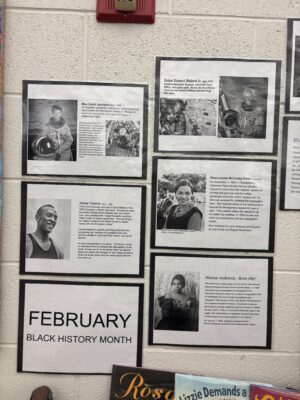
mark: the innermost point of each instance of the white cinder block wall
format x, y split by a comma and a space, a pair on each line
61, 40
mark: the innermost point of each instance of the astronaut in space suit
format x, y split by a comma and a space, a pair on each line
251, 120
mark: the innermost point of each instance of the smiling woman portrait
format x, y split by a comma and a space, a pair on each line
184, 215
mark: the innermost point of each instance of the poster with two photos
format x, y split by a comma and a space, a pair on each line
85, 129
207, 105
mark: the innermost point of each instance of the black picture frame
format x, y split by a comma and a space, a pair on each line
276, 105
22, 296
289, 65
23, 231
26, 83
271, 241
285, 134
154, 255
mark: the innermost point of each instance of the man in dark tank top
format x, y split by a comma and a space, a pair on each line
39, 244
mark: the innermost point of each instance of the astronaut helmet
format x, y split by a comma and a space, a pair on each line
249, 99
45, 146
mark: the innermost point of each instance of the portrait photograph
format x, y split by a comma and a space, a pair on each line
48, 229
181, 201
52, 130
122, 138
189, 117
242, 107
176, 306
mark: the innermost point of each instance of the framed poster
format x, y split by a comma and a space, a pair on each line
69, 229
76, 328
210, 301
290, 165
220, 204
85, 129
292, 101
216, 105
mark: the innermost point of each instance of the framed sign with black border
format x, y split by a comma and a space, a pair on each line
216, 105
292, 101
79, 327
210, 301
82, 229
290, 165
219, 204
85, 129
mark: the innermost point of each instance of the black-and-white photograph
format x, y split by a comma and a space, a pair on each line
292, 95
122, 138
188, 117
242, 107
52, 130
181, 201
176, 305
296, 88
200, 103
48, 229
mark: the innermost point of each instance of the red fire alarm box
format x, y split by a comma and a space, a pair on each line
143, 14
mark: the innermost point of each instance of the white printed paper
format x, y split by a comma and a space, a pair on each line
293, 67
210, 301
213, 204
216, 105
82, 229
84, 129
78, 327
290, 172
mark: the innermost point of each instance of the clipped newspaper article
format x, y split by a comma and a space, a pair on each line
292, 102
210, 301
220, 204
85, 129
79, 327
82, 229
290, 165
216, 105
